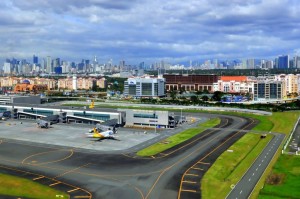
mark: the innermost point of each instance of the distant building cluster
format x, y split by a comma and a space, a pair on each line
37, 84
49, 65
261, 88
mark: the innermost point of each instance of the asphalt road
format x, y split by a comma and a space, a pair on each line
245, 186
98, 175
294, 144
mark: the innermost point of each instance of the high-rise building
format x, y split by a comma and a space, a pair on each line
48, 64
35, 60
297, 62
7, 68
250, 64
283, 62
269, 64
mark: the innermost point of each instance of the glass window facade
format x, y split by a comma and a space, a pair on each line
273, 91
132, 89
39, 112
261, 90
147, 89
95, 116
139, 115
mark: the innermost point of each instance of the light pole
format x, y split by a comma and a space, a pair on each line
181, 115
155, 120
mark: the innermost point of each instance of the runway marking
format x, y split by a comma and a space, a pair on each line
259, 165
202, 162
38, 178
241, 191
189, 190
70, 171
72, 190
256, 169
253, 174
54, 184
197, 169
45, 152
190, 182
249, 179
190, 174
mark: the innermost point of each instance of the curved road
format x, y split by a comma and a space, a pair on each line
175, 173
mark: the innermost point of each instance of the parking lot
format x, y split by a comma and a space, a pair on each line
71, 135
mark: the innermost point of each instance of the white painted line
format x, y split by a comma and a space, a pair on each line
241, 191
256, 169
259, 165
249, 179
262, 160
253, 174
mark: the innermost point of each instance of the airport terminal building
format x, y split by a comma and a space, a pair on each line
66, 115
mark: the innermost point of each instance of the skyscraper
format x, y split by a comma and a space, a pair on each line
250, 64
48, 64
35, 60
283, 62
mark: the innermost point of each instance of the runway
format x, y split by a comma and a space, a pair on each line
124, 175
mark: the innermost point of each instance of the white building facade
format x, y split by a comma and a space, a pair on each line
144, 87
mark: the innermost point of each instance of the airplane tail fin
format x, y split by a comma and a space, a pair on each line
92, 105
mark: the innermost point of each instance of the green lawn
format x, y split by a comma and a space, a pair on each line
178, 138
20, 187
230, 166
284, 182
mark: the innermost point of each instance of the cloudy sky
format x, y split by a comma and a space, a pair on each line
149, 30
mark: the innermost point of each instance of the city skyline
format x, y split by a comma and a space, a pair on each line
151, 31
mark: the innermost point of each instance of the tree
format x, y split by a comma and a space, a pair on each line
204, 98
194, 99
217, 96
173, 94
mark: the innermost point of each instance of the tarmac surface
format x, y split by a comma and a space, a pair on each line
116, 172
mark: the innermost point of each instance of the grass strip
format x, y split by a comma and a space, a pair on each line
21, 187
231, 165
284, 180
178, 138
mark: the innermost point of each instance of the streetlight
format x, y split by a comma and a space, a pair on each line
181, 115
155, 120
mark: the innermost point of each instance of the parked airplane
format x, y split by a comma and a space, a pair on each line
99, 132
109, 134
